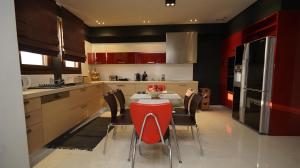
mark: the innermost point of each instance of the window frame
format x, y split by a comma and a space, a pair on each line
71, 70
27, 69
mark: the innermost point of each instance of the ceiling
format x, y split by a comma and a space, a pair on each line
97, 13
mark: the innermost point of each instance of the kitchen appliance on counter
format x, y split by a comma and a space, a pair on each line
95, 76
144, 76
26, 82
137, 77
256, 84
113, 77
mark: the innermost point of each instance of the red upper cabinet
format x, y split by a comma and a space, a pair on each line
100, 58
121, 58
96, 58
151, 58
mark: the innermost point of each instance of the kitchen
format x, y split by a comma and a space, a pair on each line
106, 49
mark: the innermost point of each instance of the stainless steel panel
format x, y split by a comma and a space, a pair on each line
267, 85
181, 47
244, 83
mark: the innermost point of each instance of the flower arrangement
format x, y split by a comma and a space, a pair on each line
155, 90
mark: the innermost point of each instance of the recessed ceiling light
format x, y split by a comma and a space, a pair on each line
193, 20
170, 3
146, 21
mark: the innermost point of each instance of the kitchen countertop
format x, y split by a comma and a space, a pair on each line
31, 93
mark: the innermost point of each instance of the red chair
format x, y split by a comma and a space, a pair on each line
151, 123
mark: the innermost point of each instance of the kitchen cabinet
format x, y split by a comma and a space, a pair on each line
96, 101
62, 111
151, 58
121, 58
34, 124
126, 58
96, 58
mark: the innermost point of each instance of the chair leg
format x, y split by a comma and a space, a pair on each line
140, 149
176, 142
131, 144
192, 130
114, 133
198, 138
170, 153
133, 152
105, 141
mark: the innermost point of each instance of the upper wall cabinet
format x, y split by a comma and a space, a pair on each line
73, 37
37, 26
126, 58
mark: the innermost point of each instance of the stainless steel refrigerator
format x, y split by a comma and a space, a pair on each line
256, 84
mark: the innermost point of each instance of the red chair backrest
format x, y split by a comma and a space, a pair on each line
163, 113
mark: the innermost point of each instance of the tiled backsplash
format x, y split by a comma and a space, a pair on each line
45, 79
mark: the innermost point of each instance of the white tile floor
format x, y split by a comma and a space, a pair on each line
226, 144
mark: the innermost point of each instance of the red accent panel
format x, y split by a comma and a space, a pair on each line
228, 50
121, 58
285, 116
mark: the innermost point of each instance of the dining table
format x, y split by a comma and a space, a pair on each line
174, 98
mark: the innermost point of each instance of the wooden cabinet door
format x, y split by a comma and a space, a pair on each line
35, 137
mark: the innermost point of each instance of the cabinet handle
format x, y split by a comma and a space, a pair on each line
121, 62
27, 116
151, 62
29, 131
120, 85
26, 102
182, 84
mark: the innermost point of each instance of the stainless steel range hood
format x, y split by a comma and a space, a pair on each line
181, 47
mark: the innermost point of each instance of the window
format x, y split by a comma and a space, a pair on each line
28, 58
71, 64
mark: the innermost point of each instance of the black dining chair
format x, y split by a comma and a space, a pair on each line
185, 110
190, 120
121, 98
116, 120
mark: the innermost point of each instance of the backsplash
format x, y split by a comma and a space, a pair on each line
154, 71
46, 79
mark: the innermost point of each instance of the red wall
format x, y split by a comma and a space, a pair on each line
228, 50
285, 114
